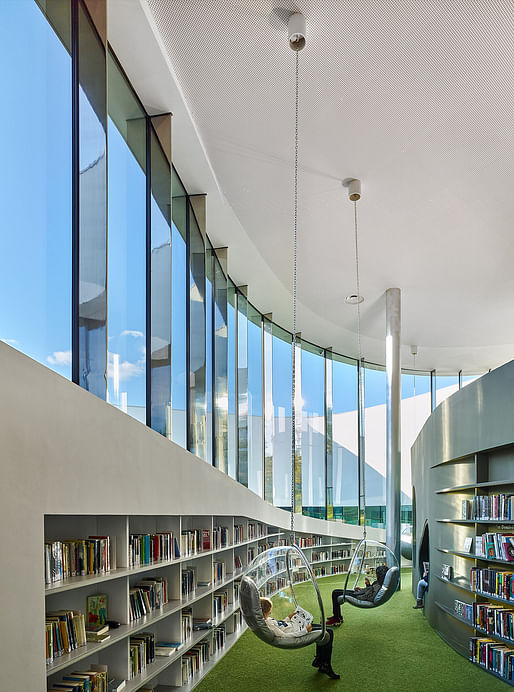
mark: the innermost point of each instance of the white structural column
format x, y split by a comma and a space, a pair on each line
393, 402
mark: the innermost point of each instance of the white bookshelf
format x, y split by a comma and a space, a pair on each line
165, 673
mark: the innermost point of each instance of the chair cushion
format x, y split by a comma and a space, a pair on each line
252, 613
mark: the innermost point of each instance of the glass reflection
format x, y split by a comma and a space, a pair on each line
92, 114
242, 388
255, 419
35, 303
178, 314
160, 273
221, 407
126, 248
345, 440
313, 431
197, 414
445, 386
375, 441
282, 417
232, 379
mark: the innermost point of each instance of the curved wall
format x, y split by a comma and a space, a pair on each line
466, 440
64, 451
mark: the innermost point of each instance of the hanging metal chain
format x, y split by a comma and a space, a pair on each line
361, 373
293, 359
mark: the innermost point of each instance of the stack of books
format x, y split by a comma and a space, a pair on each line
142, 652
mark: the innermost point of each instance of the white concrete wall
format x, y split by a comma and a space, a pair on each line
63, 451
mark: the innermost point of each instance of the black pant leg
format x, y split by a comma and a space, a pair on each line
324, 651
336, 608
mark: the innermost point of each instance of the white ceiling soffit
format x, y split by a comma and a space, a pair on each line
412, 97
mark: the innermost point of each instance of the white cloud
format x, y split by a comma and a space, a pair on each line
126, 369
132, 332
10, 341
60, 358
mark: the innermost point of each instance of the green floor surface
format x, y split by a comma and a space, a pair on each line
391, 648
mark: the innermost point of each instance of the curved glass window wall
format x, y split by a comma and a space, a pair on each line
180, 347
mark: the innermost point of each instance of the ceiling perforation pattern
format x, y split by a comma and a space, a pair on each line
415, 97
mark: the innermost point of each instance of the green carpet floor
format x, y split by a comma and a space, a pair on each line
391, 648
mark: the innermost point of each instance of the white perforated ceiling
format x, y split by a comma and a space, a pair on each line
412, 96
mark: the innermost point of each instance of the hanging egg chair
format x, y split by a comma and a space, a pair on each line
283, 575
379, 563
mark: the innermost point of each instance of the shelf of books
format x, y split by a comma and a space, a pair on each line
152, 602
475, 570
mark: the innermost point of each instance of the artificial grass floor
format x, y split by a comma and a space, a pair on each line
391, 648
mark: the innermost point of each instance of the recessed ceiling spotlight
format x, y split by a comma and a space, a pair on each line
353, 299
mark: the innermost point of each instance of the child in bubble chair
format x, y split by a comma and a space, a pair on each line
297, 624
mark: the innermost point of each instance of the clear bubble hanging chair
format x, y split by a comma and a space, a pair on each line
283, 573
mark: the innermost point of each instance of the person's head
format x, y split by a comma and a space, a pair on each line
381, 573
266, 606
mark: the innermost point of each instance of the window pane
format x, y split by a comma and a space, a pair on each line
345, 440
209, 289
415, 409
375, 444
92, 209
160, 272
197, 441
445, 385
126, 248
467, 379
242, 388
35, 190
313, 431
220, 368
282, 386
255, 420
178, 314
231, 379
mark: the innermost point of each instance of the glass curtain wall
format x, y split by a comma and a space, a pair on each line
126, 326
160, 287
255, 401
232, 378
196, 339
415, 409
178, 313
345, 440
282, 416
375, 444
91, 206
221, 402
36, 126
313, 431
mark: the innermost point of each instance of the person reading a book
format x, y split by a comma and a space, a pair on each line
367, 593
298, 624
422, 587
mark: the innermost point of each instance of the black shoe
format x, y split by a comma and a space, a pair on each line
419, 604
316, 663
327, 669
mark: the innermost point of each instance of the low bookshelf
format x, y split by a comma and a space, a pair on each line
167, 581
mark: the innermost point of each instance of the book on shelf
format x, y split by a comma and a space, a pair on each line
75, 558
468, 542
115, 685
96, 609
65, 631
493, 582
446, 572
98, 638
164, 648
145, 548
206, 539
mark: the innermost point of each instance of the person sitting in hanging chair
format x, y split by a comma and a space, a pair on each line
296, 625
368, 593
